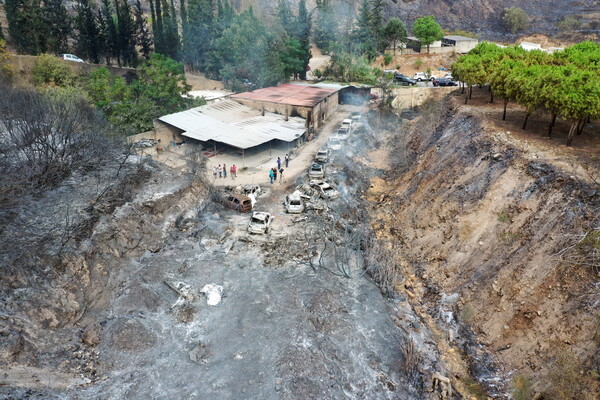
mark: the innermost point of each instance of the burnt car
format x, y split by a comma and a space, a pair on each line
323, 155
238, 202
260, 222
444, 82
294, 203
325, 190
316, 171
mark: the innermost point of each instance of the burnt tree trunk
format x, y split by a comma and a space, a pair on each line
491, 95
551, 125
580, 126
504, 113
525, 122
572, 132
470, 91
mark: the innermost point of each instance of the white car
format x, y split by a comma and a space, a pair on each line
356, 117
323, 155
334, 143
71, 57
260, 222
316, 171
348, 124
421, 76
325, 190
342, 134
293, 203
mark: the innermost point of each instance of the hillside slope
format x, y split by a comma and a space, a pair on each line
493, 238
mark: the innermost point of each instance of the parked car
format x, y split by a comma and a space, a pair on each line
404, 80
334, 143
238, 202
422, 76
444, 82
348, 123
356, 117
316, 171
323, 155
325, 190
260, 222
449, 76
342, 134
294, 203
71, 57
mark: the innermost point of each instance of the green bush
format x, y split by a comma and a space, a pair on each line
387, 59
52, 71
515, 19
569, 23
418, 64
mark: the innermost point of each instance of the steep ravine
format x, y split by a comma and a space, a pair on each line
480, 226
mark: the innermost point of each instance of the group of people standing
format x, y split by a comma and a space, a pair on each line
273, 172
221, 171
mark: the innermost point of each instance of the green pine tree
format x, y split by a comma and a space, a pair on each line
26, 26
58, 24
143, 35
87, 32
303, 24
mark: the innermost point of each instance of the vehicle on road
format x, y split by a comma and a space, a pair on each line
444, 82
323, 155
342, 134
356, 116
260, 222
324, 189
348, 123
316, 171
238, 202
422, 76
334, 143
404, 80
294, 203
71, 57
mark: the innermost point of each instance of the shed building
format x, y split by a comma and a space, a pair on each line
414, 43
461, 44
314, 103
229, 124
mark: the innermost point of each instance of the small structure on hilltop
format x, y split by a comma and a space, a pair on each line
461, 44
448, 44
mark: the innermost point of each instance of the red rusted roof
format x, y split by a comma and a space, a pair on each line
294, 95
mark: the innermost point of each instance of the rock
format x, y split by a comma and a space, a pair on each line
91, 335
199, 354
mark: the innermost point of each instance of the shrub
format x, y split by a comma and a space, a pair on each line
387, 59
52, 71
418, 64
515, 19
569, 23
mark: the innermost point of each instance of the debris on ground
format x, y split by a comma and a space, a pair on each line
213, 293
182, 289
199, 354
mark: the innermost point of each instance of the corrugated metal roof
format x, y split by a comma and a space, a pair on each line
235, 124
294, 95
458, 38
